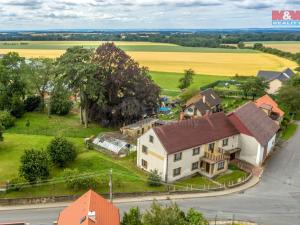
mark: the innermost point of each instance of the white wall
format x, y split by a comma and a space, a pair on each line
250, 149
185, 163
271, 144
274, 86
156, 157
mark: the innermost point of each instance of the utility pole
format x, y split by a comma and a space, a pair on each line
110, 186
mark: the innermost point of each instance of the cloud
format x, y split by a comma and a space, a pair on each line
249, 4
33, 4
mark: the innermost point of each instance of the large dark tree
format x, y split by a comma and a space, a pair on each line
129, 91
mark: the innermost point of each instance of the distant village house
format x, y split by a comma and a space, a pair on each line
202, 103
275, 79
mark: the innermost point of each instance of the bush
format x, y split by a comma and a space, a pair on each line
6, 119
154, 179
61, 151
35, 165
60, 103
77, 181
17, 107
32, 103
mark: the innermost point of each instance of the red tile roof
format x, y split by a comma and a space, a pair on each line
251, 120
190, 133
77, 213
267, 100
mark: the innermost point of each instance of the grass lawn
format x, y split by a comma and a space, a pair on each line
196, 181
289, 131
230, 104
169, 81
233, 174
41, 124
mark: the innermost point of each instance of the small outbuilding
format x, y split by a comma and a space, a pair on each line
137, 129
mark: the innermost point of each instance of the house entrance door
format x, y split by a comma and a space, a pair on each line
207, 168
232, 156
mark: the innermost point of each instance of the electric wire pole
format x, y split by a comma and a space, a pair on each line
110, 186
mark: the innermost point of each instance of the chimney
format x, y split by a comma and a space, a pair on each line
92, 215
203, 98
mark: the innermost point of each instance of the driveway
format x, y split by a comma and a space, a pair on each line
274, 201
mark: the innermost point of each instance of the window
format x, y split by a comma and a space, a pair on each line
221, 165
144, 149
211, 146
177, 156
190, 110
176, 171
151, 138
225, 142
195, 165
196, 151
144, 164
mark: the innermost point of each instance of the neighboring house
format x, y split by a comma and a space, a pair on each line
275, 79
205, 145
200, 104
137, 129
257, 133
270, 107
90, 209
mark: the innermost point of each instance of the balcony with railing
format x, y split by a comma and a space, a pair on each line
213, 157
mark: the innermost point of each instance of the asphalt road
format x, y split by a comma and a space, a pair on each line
274, 201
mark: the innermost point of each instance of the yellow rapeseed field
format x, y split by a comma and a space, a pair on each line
227, 64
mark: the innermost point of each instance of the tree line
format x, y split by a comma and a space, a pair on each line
211, 39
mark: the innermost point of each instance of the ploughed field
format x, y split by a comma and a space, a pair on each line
164, 57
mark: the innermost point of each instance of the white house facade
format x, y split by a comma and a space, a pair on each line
205, 145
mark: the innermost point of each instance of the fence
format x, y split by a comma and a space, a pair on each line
170, 189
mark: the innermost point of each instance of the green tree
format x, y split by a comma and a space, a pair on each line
258, 46
168, 215
40, 77
12, 84
60, 102
6, 119
154, 179
254, 87
76, 69
133, 217
187, 79
194, 217
35, 165
78, 181
289, 96
61, 151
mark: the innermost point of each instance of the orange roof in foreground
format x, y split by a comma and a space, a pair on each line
266, 99
77, 213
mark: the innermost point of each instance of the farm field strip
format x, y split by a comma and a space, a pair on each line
171, 58
287, 46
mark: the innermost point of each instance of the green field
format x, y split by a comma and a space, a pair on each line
126, 176
132, 46
169, 81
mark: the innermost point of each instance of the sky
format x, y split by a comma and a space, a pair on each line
139, 14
